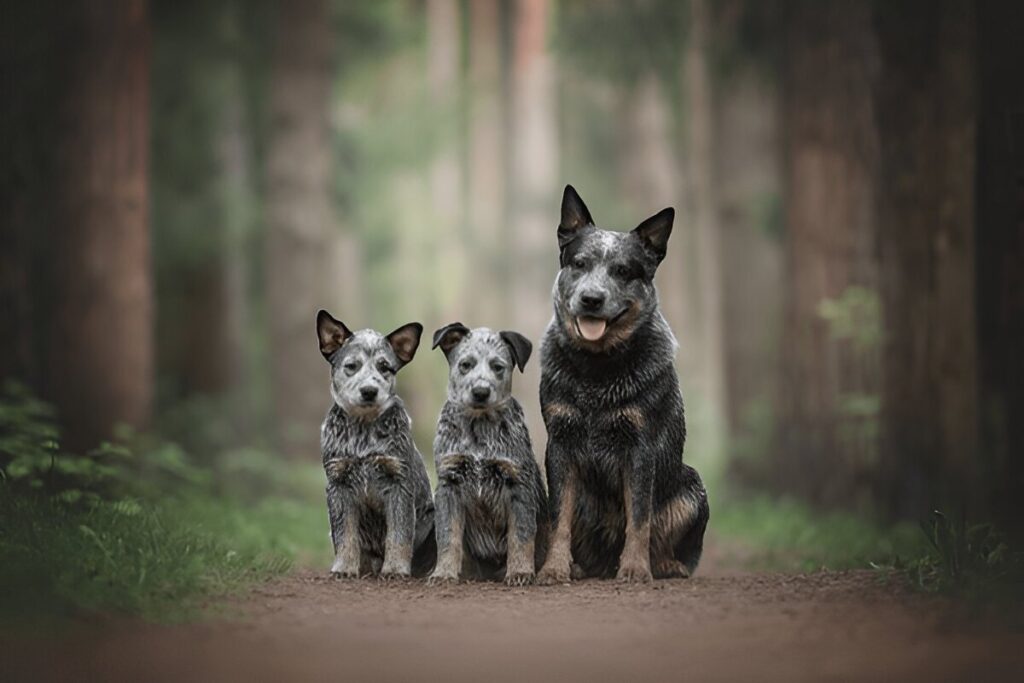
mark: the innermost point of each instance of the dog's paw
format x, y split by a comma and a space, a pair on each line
444, 579
344, 572
519, 578
394, 575
552, 576
630, 573
671, 569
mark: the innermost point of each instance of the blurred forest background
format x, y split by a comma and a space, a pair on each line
185, 183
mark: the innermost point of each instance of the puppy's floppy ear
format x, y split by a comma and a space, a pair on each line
332, 333
449, 336
520, 345
575, 216
405, 340
654, 232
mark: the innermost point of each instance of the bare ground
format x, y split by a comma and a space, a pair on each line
721, 625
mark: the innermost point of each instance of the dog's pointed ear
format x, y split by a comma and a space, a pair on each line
520, 345
449, 336
575, 216
654, 232
405, 340
331, 333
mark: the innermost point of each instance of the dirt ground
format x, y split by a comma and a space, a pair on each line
722, 625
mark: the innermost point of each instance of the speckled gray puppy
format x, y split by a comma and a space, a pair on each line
491, 520
378, 493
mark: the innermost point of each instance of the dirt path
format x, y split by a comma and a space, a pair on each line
721, 625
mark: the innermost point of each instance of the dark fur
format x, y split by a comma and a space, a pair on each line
614, 413
491, 517
378, 493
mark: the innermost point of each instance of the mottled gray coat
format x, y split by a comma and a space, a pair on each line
491, 520
378, 494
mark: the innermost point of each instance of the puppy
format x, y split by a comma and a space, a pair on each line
622, 502
491, 515
378, 493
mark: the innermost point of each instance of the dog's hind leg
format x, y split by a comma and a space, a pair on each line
689, 548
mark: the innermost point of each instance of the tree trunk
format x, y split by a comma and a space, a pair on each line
701, 137
443, 60
534, 186
486, 180
300, 218
1000, 254
926, 114
101, 352
826, 446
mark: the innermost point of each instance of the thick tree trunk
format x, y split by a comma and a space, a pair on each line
701, 137
300, 220
101, 351
534, 186
926, 114
826, 448
485, 201
1000, 254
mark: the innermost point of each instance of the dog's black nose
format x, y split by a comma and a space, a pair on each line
592, 301
368, 393
481, 394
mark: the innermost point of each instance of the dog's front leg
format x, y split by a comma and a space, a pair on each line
522, 533
638, 493
449, 522
344, 518
400, 514
562, 504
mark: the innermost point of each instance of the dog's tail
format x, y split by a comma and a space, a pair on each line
691, 545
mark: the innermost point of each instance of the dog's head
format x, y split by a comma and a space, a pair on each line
364, 363
480, 364
605, 288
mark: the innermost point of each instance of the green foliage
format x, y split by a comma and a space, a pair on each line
968, 559
786, 534
856, 315
137, 557
136, 526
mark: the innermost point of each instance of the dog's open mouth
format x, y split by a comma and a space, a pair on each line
591, 329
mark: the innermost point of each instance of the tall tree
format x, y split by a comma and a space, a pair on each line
101, 352
534, 181
701, 139
926, 123
299, 215
485, 201
829, 369
1000, 253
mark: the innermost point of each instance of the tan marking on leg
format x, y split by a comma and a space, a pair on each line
397, 560
635, 561
634, 416
348, 556
560, 410
449, 561
670, 523
519, 567
557, 567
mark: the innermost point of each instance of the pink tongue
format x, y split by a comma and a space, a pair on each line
592, 329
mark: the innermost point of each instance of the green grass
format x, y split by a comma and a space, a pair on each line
787, 534
158, 561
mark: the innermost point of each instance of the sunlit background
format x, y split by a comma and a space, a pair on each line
185, 184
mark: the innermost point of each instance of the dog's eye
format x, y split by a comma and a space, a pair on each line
465, 366
351, 367
498, 368
621, 271
384, 368
579, 262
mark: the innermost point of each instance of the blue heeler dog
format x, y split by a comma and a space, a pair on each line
378, 493
621, 500
491, 507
